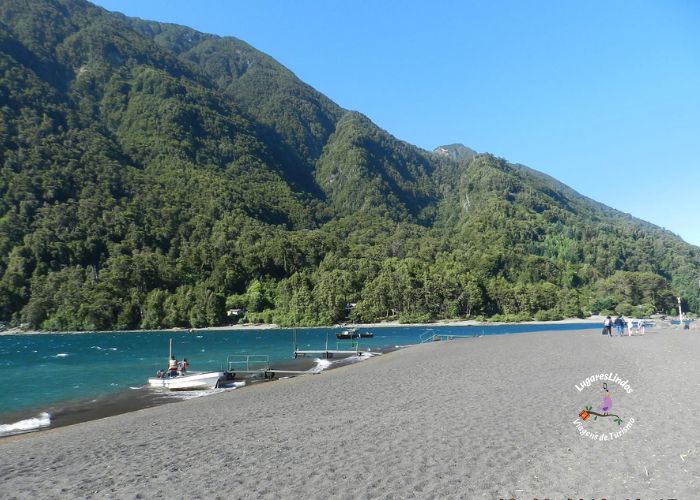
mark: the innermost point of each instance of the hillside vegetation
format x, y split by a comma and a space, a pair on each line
154, 176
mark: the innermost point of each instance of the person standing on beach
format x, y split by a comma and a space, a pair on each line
619, 325
607, 324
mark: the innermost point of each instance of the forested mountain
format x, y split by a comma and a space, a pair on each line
154, 176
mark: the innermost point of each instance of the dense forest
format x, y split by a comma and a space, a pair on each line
154, 176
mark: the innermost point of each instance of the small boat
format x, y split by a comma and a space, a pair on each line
350, 333
187, 382
184, 380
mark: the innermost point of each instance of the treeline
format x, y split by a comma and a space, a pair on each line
308, 278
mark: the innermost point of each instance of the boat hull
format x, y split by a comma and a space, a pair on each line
190, 382
350, 333
354, 335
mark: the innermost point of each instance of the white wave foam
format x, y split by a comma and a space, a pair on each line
228, 385
61, 355
205, 392
96, 347
356, 359
30, 424
321, 364
193, 394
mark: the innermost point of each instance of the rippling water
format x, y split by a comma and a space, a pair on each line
38, 371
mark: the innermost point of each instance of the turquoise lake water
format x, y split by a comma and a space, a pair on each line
39, 371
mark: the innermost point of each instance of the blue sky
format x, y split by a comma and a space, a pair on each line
602, 95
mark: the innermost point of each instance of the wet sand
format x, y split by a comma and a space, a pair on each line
489, 417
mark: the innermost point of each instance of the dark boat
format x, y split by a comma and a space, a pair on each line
350, 333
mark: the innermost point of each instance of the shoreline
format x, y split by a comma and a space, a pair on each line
83, 407
272, 326
79, 411
493, 417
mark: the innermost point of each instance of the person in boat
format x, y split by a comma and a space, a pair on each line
172, 367
185, 366
160, 373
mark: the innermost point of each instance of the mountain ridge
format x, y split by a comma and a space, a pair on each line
154, 176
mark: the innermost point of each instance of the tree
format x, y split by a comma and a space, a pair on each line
153, 314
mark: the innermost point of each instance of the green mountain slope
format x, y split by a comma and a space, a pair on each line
154, 176
293, 118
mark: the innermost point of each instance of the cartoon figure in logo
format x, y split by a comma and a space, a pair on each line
604, 408
606, 405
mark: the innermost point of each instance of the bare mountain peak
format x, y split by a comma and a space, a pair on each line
458, 152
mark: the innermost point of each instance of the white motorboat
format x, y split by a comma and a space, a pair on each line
176, 380
187, 382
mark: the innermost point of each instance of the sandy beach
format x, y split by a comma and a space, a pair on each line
490, 417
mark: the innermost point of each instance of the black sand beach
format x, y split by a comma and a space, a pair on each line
491, 417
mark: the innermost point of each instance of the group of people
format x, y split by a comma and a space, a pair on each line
619, 323
175, 368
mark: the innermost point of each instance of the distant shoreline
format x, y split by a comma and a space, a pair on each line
593, 320
272, 326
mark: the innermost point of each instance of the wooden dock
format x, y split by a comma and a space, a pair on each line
254, 364
270, 373
330, 353
430, 336
326, 353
